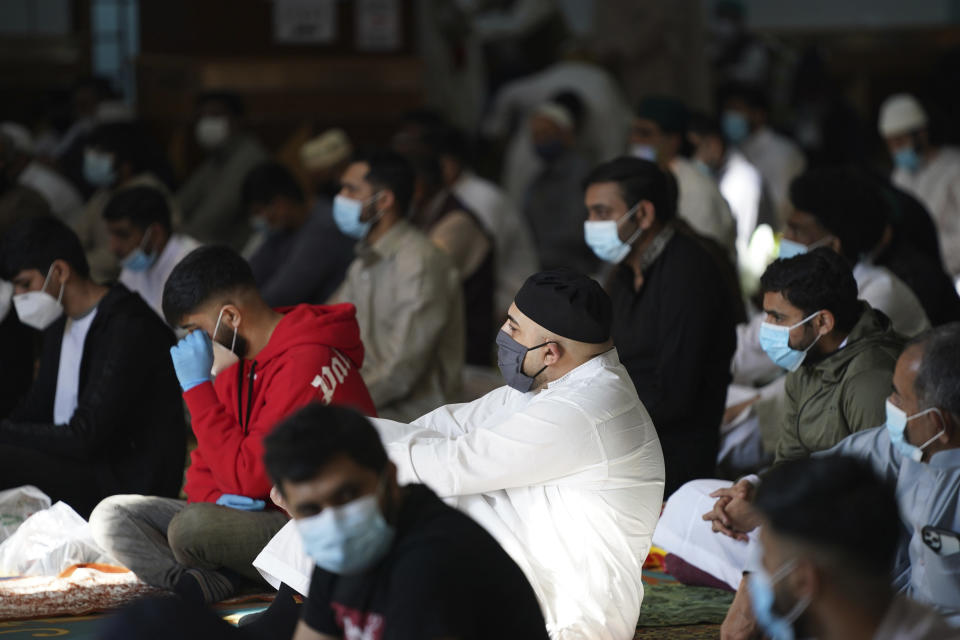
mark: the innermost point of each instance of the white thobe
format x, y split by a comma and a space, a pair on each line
514, 254
700, 203
885, 291
937, 186
64, 200
569, 480
149, 283
779, 161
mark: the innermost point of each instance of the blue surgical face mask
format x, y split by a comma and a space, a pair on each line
775, 341
138, 259
735, 126
907, 158
348, 539
510, 356
347, 213
897, 420
98, 168
644, 152
790, 249
603, 237
762, 599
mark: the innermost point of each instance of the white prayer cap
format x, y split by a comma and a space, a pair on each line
556, 113
20, 136
326, 150
901, 113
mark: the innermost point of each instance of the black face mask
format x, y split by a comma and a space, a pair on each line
510, 356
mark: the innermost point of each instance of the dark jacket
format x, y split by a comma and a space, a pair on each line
129, 419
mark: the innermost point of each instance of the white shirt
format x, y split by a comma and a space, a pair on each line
702, 206
742, 187
64, 200
569, 480
149, 283
68, 375
514, 253
937, 186
779, 161
888, 293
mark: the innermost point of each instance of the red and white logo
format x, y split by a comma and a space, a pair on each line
358, 625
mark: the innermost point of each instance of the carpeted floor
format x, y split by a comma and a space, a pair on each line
670, 610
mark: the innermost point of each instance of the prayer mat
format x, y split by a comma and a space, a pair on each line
668, 603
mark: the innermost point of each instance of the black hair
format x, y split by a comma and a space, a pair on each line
938, 376
389, 170
230, 100
142, 206
752, 95
270, 180
35, 243
204, 273
813, 281
638, 180
572, 102
131, 143
846, 203
299, 447
839, 506
704, 125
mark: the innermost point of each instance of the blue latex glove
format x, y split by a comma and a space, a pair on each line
192, 359
240, 502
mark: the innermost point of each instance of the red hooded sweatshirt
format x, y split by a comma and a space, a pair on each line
314, 354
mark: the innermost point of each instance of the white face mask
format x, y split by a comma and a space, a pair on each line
39, 309
223, 358
212, 131
6, 299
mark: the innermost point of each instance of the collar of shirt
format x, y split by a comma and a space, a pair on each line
385, 246
946, 459
608, 358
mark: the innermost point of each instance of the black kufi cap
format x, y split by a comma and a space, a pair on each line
568, 304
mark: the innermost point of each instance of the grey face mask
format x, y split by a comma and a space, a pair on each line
510, 355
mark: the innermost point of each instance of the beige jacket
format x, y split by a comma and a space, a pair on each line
410, 310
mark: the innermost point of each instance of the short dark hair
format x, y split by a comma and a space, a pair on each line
230, 100
938, 376
389, 170
846, 203
35, 244
638, 180
839, 506
142, 206
267, 181
819, 279
204, 273
299, 447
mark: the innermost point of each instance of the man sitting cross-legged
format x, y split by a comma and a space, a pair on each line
243, 367
562, 466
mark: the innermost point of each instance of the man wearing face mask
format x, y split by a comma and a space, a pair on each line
141, 237
117, 156
302, 256
211, 196
551, 205
658, 135
673, 319
562, 465
826, 552
103, 415
408, 295
385, 560
925, 170
243, 367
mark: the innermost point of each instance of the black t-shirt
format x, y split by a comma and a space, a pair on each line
444, 577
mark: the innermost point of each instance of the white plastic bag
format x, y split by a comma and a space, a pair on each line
18, 504
48, 542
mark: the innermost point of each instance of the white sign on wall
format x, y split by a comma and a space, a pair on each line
304, 21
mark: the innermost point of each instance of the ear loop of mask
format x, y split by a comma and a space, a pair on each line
233, 344
803, 322
47, 280
632, 212
943, 430
376, 218
797, 610
539, 346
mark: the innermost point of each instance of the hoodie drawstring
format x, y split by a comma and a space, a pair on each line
245, 423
